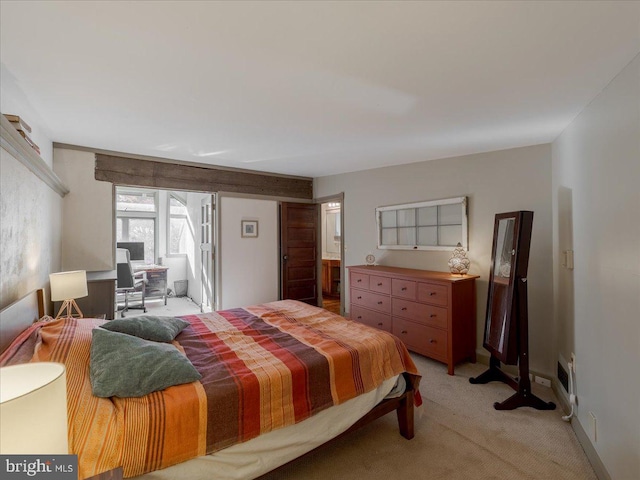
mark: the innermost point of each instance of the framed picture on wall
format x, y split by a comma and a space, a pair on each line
249, 228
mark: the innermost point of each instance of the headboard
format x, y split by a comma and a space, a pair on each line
19, 315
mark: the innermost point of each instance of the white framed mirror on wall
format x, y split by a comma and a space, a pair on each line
428, 225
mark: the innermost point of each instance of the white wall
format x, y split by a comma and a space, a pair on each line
596, 200
30, 211
14, 101
248, 266
87, 236
31, 220
495, 182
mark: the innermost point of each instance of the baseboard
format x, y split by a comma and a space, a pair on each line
589, 450
581, 435
561, 396
584, 440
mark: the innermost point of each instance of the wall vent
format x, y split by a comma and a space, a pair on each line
563, 376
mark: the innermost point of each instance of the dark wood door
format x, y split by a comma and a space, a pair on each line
299, 251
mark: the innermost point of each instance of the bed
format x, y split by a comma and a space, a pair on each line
276, 381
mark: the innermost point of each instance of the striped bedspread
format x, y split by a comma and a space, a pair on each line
263, 367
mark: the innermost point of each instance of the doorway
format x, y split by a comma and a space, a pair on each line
312, 252
331, 222
177, 232
299, 252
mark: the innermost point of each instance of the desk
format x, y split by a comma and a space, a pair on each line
101, 298
156, 286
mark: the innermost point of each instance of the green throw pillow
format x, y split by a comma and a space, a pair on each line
156, 329
127, 366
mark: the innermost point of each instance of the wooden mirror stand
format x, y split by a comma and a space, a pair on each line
506, 333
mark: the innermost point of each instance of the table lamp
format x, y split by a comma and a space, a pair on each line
33, 409
66, 287
459, 261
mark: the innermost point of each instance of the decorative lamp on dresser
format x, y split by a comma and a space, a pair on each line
433, 313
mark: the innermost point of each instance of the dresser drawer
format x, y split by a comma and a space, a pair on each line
380, 284
378, 320
433, 293
156, 283
419, 312
420, 338
403, 288
420, 305
374, 301
359, 280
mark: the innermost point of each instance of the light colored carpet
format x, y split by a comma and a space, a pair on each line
459, 435
175, 306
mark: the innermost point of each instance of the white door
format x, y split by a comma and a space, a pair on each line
207, 253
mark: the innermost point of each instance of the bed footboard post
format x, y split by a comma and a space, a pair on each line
405, 415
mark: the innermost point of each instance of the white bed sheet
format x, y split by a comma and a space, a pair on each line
248, 460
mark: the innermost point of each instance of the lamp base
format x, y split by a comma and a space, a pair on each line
67, 310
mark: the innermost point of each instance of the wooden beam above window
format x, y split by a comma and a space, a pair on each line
205, 178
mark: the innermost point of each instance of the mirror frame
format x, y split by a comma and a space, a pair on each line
503, 308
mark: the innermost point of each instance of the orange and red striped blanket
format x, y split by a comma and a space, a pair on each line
263, 367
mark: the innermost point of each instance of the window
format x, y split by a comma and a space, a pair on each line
433, 225
136, 214
178, 226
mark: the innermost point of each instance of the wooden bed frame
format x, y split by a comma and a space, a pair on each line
22, 313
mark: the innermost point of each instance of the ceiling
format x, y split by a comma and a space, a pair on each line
312, 88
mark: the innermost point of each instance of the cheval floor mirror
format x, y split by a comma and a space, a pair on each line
506, 334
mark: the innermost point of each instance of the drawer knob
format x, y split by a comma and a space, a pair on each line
431, 340
404, 289
433, 315
359, 317
359, 280
403, 331
380, 302
380, 284
432, 293
359, 297
403, 308
380, 324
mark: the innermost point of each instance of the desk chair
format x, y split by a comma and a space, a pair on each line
129, 282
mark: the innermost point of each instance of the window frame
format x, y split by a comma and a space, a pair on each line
464, 236
127, 215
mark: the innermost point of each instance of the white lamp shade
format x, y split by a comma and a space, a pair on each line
33, 409
68, 285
